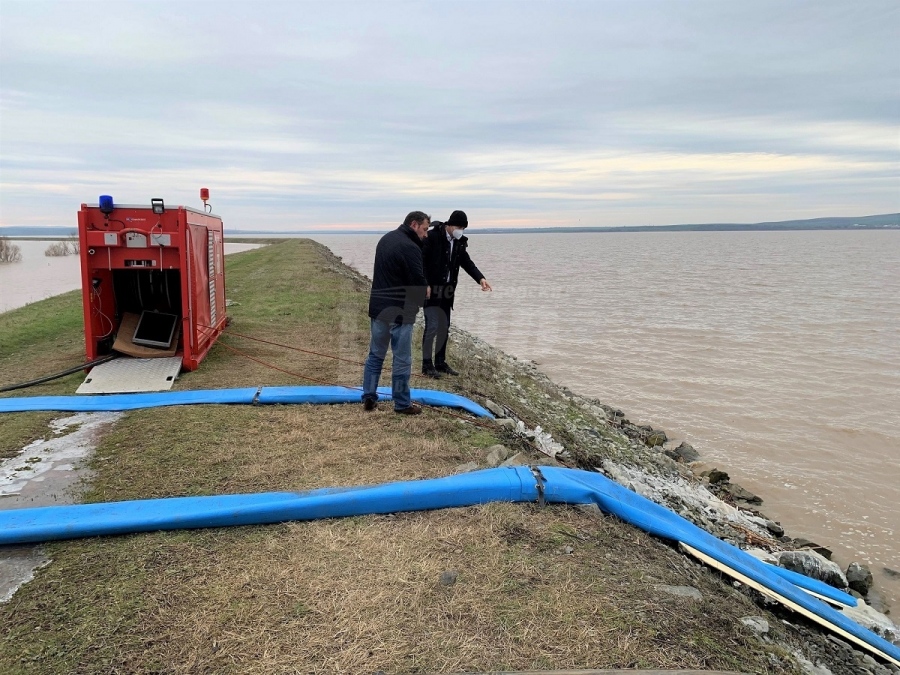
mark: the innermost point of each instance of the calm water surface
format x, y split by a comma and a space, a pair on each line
776, 354
37, 277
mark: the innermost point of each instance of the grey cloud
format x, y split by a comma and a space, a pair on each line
352, 89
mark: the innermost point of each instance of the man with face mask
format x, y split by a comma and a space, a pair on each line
445, 252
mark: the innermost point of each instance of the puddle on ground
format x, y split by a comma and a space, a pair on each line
45, 473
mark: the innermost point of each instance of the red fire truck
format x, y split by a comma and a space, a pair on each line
161, 264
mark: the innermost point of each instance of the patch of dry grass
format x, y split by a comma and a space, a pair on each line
156, 452
549, 587
363, 594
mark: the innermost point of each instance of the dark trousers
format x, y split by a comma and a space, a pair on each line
437, 328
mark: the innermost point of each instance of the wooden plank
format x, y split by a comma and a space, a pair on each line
790, 604
606, 672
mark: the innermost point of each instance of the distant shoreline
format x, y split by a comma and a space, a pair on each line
589, 230
888, 221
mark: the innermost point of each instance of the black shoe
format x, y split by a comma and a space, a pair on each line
413, 409
444, 368
430, 371
369, 404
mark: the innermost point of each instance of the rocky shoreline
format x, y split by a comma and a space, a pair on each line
541, 415
583, 432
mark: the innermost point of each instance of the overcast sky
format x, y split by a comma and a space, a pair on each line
300, 115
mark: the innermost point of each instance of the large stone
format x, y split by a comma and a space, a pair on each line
810, 668
495, 409
756, 623
859, 578
875, 621
742, 494
774, 528
496, 454
684, 453
813, 565
716, 476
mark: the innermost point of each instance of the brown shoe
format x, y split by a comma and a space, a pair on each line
369, 404
411, 410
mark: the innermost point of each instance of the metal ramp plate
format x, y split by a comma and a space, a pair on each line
126, 376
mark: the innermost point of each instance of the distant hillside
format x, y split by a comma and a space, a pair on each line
878, 222
887, 220
883, 221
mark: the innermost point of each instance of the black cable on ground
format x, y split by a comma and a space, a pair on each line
56, 376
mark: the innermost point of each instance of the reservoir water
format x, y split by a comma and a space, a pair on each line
37, 276
775, 354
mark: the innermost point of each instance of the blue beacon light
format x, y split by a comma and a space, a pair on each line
106, 204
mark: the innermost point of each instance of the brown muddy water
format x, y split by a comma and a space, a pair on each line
37, 277
775, 354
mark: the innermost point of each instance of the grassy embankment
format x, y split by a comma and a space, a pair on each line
550, 587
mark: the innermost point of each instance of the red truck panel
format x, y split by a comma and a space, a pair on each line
132, 257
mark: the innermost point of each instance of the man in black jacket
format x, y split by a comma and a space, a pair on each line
445, 253
398, 290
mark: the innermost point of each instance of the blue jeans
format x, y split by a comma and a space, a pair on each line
400, 339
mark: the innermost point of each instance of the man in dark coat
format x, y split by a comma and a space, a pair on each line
445, 252
398, 290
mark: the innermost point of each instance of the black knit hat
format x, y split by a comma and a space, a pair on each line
458, 219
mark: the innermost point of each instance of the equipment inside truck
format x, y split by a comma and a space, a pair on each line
153, 280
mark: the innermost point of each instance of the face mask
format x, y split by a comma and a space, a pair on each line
457, 234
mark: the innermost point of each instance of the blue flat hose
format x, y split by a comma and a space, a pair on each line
292, 395
119, 402
662, 522
88, 520
353, 395
514, 484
